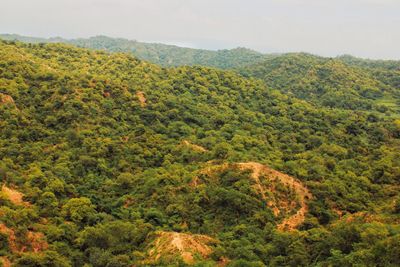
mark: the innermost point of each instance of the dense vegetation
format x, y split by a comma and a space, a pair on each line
96, 142
165, 55
371, 64
341, 83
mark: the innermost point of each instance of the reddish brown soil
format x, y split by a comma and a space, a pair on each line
4, 99
128, 202
277, 202
14, 196
338, 212
35, 241
260, 170
142, 98
6, 262
11, 237
223, 262
170, 245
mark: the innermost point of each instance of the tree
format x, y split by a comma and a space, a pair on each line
222, 150
48, 204
78, 210
125, 180
46, 259
397, 205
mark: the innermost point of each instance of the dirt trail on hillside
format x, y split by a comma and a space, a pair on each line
142, 98
259, 170
170, 245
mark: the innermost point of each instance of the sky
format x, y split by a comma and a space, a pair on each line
363, 28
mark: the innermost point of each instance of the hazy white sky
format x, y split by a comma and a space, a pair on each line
365, 28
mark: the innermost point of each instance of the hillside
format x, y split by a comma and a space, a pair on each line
336, 83
165, 55
114, 161
370, 63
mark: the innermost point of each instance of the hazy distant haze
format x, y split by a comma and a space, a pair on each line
365, 28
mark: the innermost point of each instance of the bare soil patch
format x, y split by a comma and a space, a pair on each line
14, 196
303, 194
33, 241
4, 99
171, 245
142, 98
6, 262
11, 237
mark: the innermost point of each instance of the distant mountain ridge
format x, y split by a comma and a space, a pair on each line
342, 82
162, 54
172, 55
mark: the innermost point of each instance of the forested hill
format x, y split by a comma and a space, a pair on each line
342, 83
369, 63
165, 55
107, 160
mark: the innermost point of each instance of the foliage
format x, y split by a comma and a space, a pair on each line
165, 55
335, 83
103, 172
